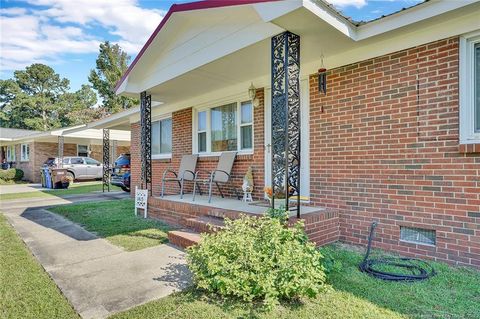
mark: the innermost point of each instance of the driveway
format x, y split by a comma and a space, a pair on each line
98, 278
20, 188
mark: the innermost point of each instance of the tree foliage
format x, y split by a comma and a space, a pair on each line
37, 98
111, 64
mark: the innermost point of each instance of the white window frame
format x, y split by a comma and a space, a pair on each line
24, 158
157, 119
467, 89
195, 132
88, 150
11, 153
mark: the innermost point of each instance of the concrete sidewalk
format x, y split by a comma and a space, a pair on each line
98, 278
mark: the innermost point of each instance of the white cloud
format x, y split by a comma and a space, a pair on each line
122, 18
51, 28
347, 3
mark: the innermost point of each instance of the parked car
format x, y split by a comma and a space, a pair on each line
78, 167
121, 172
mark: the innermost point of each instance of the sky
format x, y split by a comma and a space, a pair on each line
65, 34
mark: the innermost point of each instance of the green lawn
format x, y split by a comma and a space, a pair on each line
116, 222
453, 293
26, 290
75, 189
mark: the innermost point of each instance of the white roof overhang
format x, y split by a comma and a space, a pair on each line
200, 54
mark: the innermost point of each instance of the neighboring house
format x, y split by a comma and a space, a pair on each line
28, 150
395, 138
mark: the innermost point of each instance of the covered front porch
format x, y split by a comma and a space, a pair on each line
199, 216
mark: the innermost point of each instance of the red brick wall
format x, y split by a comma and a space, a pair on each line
385, 146
182, 144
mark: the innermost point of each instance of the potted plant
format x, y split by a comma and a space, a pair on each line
66, 180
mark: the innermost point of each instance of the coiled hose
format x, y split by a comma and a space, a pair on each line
413, 269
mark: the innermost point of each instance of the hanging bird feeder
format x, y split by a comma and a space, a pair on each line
322, 78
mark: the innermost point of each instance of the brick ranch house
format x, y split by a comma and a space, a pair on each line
394, 137
28, 150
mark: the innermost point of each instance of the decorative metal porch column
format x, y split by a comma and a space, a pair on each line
286, 118
61, 141
146, 139
113, 151
106, 160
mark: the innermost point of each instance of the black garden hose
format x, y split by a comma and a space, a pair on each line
415, 269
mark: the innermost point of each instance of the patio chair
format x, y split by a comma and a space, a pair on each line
186, 172
221, 174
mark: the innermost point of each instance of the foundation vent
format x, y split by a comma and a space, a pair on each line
417, 235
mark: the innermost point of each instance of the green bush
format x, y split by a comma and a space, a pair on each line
258, 259
11, 174
278, 213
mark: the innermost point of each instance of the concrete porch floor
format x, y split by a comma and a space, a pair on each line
233, 204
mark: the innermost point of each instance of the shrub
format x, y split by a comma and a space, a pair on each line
279, 213
11, 174
258, 259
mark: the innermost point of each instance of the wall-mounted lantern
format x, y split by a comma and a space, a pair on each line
252, 94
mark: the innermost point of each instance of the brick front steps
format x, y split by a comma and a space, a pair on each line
322, 226
183, 239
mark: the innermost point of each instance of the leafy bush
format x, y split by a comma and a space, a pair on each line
278, 213
258, 259
11, 174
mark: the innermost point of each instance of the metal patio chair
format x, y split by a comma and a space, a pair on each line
186, 172
221, 174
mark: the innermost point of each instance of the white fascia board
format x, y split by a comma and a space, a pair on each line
269, 11
115, 119
421, 12
335, 20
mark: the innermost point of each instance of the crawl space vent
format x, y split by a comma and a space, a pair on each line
417, 235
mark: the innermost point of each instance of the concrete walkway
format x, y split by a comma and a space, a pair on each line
98, 278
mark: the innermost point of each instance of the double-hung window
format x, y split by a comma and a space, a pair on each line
162, 138
470, 89
82, 150
24, 152
11, 153
223, 128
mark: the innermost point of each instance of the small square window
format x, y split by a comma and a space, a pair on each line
82, 150
418, 235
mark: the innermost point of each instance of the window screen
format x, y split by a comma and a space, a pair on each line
417, 235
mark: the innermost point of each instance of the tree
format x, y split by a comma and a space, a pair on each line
80, 107
37, 98
111, 64
30, 99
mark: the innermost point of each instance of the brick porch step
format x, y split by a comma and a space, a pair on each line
221, 213
183, 239
205, 224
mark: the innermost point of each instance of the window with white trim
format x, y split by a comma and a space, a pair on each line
470, 89
11, 153
162, 138
25, 152
82, 150
227, 127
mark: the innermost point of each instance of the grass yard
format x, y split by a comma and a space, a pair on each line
453, 293
75, 189
116, 222
26, 290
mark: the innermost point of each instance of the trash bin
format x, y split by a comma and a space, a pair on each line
57, 175
46, 177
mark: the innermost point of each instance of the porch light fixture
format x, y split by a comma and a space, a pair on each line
322, 79
252, 94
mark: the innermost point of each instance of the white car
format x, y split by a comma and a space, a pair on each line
79, 167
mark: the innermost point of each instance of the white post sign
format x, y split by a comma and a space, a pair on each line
141, 200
